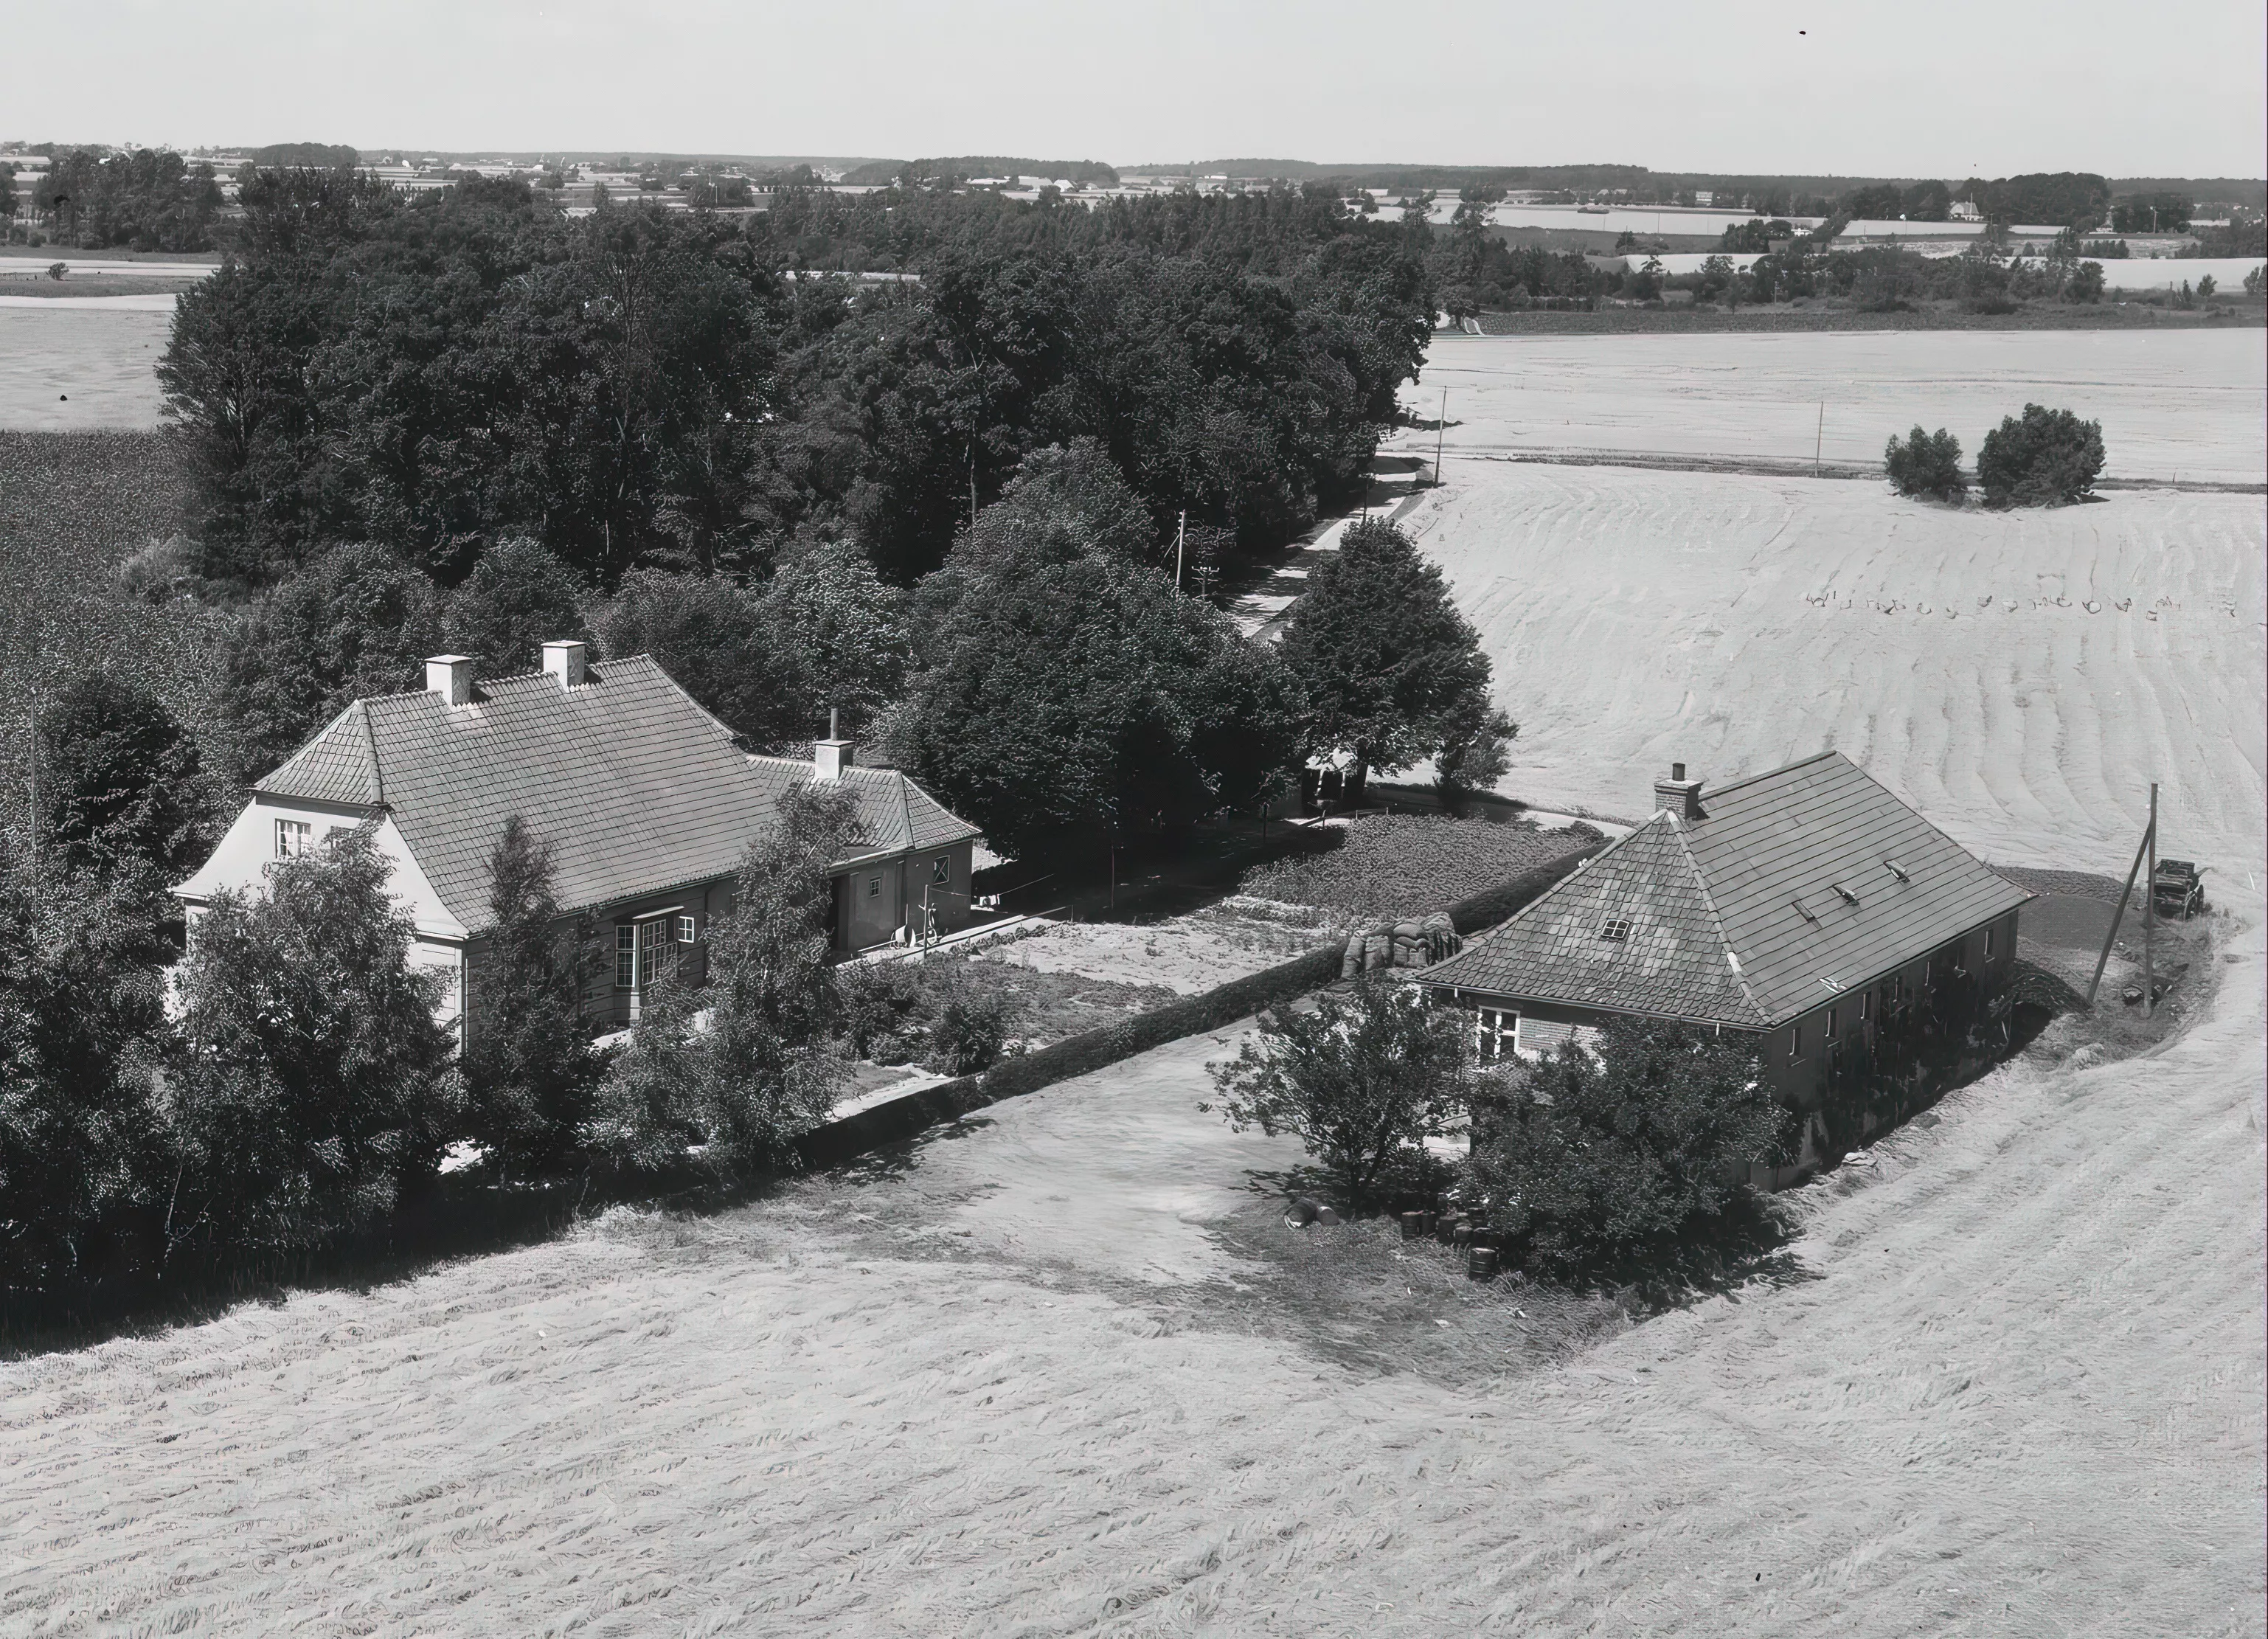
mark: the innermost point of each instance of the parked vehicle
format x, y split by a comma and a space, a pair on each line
2178, 888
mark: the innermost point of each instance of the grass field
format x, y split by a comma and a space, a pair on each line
2186, 403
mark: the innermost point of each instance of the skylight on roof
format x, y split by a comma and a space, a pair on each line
1617, 930
1803, 911
1897, 870
1844, 894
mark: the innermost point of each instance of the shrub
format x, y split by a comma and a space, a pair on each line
1361, 1080
1926, 463
2049, 456
1595, 1156
969, 1027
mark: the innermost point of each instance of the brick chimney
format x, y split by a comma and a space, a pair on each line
1678, 794
565, 661
450, 676
831, 755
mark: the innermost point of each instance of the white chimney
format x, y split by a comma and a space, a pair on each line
565, 661
1678, 794
831, 755
450, 676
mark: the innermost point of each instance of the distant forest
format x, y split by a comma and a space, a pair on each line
881, 172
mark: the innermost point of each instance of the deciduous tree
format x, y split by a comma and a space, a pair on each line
1362, 1080
2049, 456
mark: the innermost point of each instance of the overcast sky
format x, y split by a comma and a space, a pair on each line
1914, 88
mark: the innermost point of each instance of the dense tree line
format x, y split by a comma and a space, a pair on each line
635, 388
144, 199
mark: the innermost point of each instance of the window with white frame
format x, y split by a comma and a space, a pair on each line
873, 888
1495, 1032
657, 951
941, 872
293, 837
689, 930
1988, 944
1794, 1043
626, 955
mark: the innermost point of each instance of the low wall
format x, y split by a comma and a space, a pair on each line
901, 1118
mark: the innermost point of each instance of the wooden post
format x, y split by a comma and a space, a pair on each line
1440, 432
2117, 917
2150, 913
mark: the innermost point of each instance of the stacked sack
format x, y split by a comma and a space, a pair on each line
1401, 945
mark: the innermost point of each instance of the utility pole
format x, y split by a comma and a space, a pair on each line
1440, 431
1818, 437
1181, 540
2150, 915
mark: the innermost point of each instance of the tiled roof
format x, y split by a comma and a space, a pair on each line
636, 788
898, 814
1781, 894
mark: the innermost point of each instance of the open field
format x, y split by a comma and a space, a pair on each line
76, 363
2020, 676
2180, 402
1000, 1383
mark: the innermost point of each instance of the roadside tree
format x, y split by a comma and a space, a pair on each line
1362, 1079
1389, 668
1594, 1156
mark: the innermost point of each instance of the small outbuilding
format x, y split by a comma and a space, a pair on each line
1809, 908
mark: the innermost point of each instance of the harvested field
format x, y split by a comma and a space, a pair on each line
2019, 676
2177, 401
1403, 865
994, 1384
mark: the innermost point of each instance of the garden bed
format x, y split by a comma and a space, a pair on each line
1401, 865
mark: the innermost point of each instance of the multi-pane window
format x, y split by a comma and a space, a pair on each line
941, 872
1617, 930
293, 837
873, 888
1495, 1031
657, 952
625, 956
687, 930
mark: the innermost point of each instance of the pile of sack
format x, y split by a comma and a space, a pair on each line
1402, 945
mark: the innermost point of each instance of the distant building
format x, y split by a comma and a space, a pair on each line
1963, 210
646, 803
1704, 196
1808, 909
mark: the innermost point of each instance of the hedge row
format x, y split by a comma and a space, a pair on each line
1094, 1049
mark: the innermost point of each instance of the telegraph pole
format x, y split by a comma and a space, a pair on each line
1818, 437
1440, 432
1181, 540
2150, 913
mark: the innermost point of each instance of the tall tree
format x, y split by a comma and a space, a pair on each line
120, 785
530, 1072
358, 623
712, 635
313, 1084
1388, 667
768, 1063
82, 1029
519, 597
1087, 696
845, 628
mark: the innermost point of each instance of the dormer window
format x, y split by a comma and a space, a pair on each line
1617, 931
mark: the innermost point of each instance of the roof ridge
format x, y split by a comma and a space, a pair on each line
1708, 792
1716, 922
